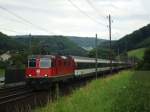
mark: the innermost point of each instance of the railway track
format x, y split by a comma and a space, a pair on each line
8, 95
5, 90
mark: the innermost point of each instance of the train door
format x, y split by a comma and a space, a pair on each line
59, 66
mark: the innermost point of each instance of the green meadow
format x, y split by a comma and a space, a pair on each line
138, 53
127, 91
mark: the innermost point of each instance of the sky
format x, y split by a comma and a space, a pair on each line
82, 18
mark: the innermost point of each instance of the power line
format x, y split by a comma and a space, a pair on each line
10, 30
25, 20
84, 13
14, 19
3, 24
92, 6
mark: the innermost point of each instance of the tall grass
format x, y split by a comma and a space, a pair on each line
136, 96
99, 96
128, 91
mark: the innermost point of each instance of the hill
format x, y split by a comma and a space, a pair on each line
138, 53
87, 43
102, 53
144, 43
40, 44
9, 44
138, 39
106, 44
50, 45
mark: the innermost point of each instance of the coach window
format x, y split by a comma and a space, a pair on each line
99, 64
45, 63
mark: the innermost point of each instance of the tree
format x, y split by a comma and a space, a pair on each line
145, 64
102, 53
18, 60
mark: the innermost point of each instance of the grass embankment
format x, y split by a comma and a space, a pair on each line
139, 53
2, 72
126, 92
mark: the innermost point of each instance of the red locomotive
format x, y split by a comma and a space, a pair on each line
48, 66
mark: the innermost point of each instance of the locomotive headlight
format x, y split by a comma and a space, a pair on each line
45, 75
38, 71
30, 75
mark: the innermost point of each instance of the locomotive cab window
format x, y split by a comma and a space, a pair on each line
32, 63
45, 63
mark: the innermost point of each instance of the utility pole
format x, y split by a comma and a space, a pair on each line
30, 50
110, 55
126, 54
96, 56
118, 51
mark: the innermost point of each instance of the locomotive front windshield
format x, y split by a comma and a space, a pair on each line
32, 63
45, 62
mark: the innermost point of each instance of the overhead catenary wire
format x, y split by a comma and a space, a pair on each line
25, 20
84, 13
91, 4
14, 19
94, 8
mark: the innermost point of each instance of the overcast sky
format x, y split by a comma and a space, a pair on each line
76, 18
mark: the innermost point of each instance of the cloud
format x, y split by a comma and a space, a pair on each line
60, 17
